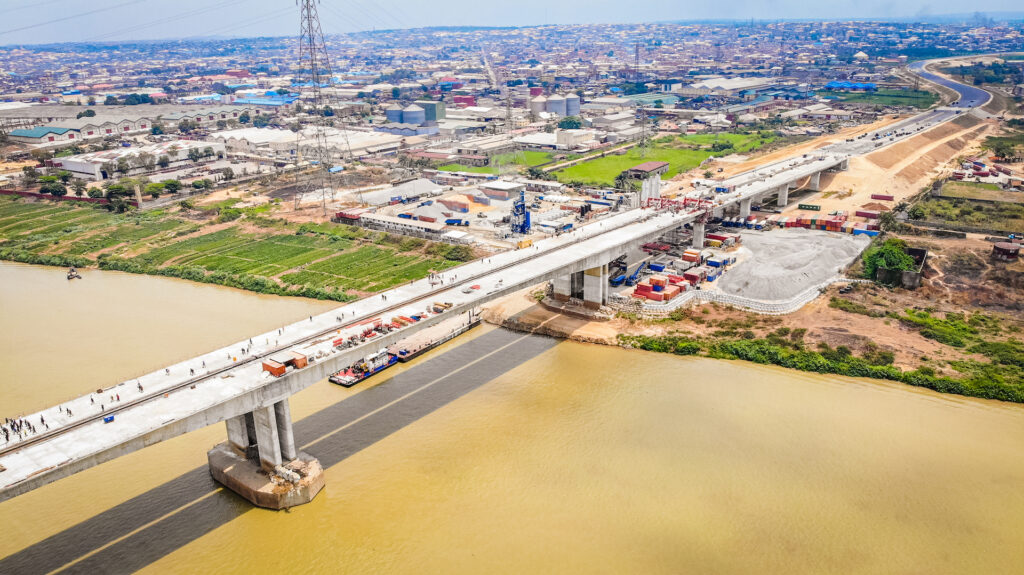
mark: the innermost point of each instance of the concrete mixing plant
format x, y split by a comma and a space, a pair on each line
520, 217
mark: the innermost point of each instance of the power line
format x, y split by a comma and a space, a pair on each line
72, 17
166, 20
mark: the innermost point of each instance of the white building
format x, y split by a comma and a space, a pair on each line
104, 164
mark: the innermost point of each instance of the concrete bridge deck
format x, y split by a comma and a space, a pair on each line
227, 383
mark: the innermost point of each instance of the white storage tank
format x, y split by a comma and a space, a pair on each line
556, 105
538, 104
414, 115
572, 105
393, 113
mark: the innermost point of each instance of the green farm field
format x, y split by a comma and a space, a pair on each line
325, 261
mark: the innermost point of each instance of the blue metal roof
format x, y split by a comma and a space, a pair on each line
38, 132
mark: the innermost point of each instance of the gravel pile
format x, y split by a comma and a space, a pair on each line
778, 265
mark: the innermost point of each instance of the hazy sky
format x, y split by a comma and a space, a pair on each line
42, 21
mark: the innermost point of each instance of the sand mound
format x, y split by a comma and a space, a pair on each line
780, 264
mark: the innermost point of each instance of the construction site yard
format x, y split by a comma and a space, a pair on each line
781, 264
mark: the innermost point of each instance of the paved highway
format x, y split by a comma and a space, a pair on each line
970, 96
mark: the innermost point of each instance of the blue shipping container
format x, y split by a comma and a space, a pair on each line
657, 267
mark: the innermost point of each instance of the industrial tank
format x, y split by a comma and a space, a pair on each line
538, 104
572, 105
556, 105
393, 113
414, 115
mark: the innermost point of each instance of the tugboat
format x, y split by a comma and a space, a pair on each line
73, 274
361, 370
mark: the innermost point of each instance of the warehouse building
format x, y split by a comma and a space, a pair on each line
108, 164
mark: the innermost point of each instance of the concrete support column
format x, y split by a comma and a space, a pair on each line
595, 287
816, 182
783, 195
845, 165
267, 440
698, 236
238, 432
283, 414
745, 208
562, 287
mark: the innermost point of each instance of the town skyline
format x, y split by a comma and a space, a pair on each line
57, 21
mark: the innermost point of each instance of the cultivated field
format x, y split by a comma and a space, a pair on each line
250, 251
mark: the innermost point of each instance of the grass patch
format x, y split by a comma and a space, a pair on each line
603, 171
1000, 216
525, 159
916, 98
986, 380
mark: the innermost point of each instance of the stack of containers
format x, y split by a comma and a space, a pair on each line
675, 280
671, 292
643, 289
658, 283
691, 256
713, 243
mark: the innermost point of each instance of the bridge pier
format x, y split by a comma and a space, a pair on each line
783, 195
595, 287
745, 207
815, 182
561, 287
698, 236
845, 165
259, 460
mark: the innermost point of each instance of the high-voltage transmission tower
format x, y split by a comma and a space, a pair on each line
313, 55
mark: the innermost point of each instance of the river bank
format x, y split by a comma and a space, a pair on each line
866, 333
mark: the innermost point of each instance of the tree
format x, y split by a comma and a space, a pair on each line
199, 184
55, 189
157, 130
117, 191
79, 186
222, 124
1003, 149
163, 161
708, 173
186, 126
229, 174
208, 152
244, 118
86, 114
570, 123
95, 193
154, 190
328, 111
396, 93
29, 175
917, 213
172, 186
91, 101
194, 154
110, 101
261, 121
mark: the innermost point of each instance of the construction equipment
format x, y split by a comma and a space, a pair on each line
635, 277
520, 217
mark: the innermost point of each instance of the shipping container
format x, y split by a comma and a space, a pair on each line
886, 197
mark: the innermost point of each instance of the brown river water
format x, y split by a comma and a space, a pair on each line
554, 457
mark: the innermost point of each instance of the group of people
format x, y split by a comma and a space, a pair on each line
22, 427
